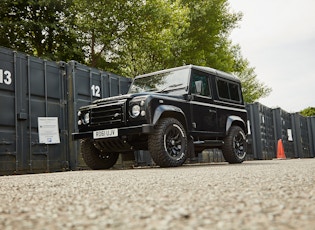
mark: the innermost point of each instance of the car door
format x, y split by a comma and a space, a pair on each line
203, 113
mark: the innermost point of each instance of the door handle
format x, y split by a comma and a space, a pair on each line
212, 111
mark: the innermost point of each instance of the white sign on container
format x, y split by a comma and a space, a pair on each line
48, 130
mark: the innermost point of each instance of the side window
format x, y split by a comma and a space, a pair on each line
234, 92
228, 90
223, 89
200, 85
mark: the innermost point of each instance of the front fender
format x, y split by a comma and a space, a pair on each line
165, 108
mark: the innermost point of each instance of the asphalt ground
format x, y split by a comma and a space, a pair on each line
274, 194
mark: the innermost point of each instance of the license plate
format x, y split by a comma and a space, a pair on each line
105, 133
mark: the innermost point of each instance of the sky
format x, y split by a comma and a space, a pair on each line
277, 37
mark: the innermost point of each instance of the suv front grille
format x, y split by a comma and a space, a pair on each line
111, 114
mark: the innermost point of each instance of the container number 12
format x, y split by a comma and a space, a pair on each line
5, 77
96, 91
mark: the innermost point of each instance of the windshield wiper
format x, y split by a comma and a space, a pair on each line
170, 87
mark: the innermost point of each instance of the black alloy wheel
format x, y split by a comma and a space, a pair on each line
168, 144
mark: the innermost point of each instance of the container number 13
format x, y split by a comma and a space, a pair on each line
5, 77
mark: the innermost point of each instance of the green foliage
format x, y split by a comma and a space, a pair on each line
42, 28
308, 112
253, 89
130, 37
136, 37
155, 42
210, 23
104, 26
174, 33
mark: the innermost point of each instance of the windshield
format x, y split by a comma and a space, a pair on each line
161, 83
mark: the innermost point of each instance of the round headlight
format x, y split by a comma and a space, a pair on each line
135, 110
86, 118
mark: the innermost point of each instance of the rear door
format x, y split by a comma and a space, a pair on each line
229, 102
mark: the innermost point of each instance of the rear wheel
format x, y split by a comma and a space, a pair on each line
96, 159
234, 148
168, 144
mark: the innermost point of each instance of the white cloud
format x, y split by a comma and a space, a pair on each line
278, 38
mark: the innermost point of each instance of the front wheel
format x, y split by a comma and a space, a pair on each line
96, 159
234, 148
168, 144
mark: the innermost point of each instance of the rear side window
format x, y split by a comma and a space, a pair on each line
228, 90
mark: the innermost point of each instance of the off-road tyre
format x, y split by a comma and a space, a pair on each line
96, 159
168, 143
235, 146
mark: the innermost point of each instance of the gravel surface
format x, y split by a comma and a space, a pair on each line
276, 194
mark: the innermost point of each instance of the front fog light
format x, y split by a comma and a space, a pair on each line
86, 118
135, 110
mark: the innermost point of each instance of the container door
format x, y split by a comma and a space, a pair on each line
31, 88
10, 133
85, 85
46, 99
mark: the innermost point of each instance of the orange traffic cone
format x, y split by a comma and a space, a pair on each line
280, 150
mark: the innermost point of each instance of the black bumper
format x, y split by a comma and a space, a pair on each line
141, 129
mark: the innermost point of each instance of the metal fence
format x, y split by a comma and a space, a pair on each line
31, 88
84, 86
36, 95
268, 125
261, 131
311, 128
283, 130
35, 92
302, 135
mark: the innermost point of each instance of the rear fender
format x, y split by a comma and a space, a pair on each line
235, 120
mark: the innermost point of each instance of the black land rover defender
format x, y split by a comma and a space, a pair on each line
174, 113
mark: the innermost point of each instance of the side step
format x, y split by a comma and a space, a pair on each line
209, 143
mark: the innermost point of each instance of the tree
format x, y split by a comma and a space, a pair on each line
253, 89
103, 26
210, 23
308, 112
183, 32
130, 37
156, 40
135, 37
43, 28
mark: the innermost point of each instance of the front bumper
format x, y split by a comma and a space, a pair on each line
123, 131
